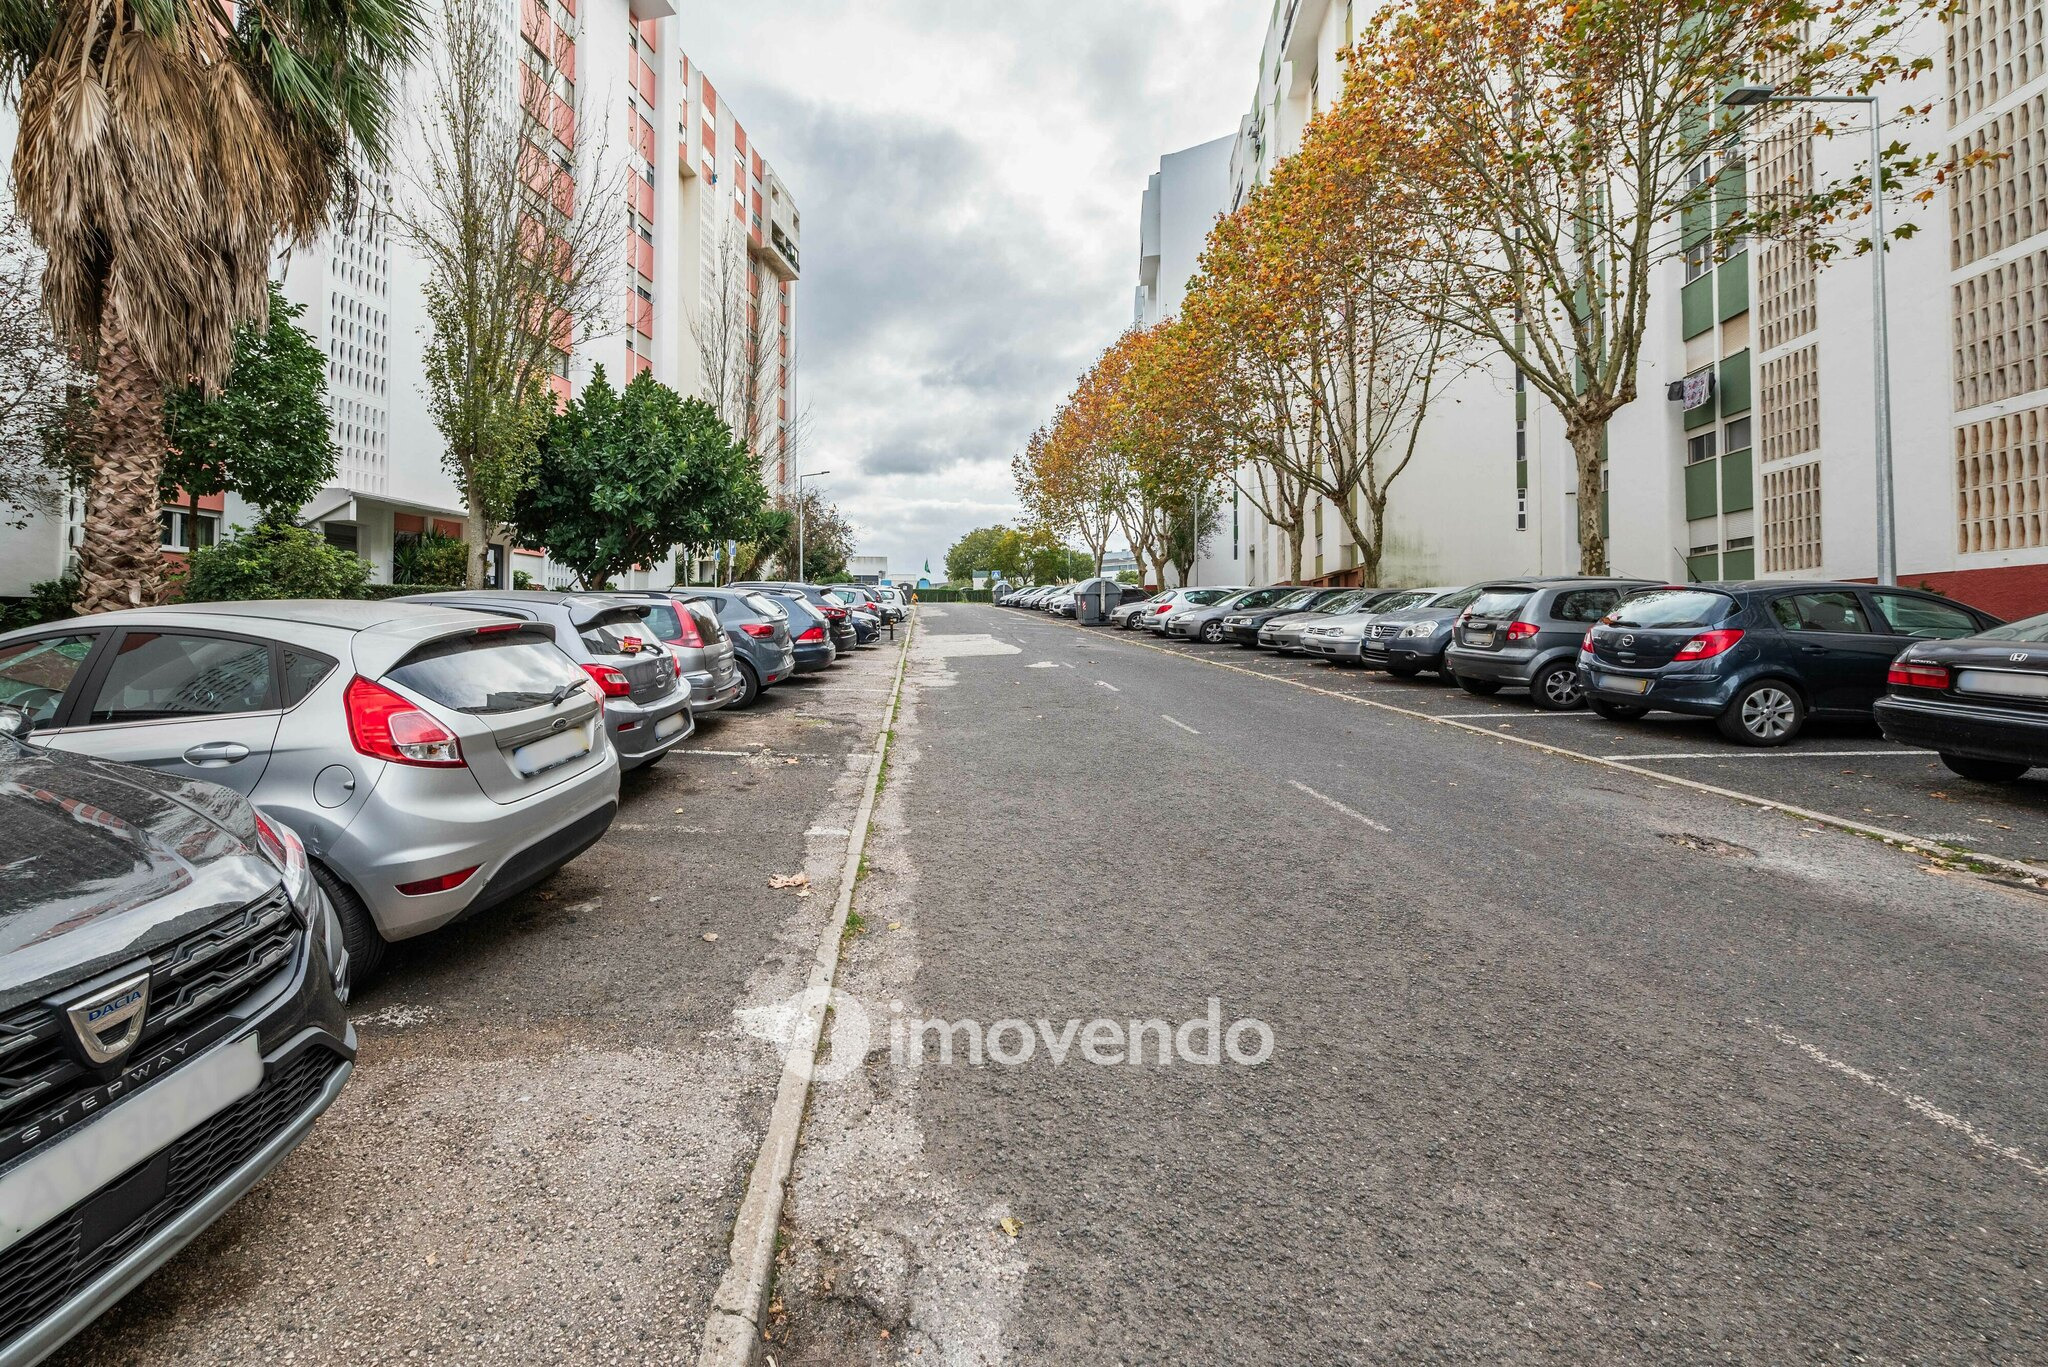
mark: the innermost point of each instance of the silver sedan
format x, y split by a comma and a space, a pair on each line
1343, 638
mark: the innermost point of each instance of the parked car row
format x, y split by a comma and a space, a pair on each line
1760, 658
214, 818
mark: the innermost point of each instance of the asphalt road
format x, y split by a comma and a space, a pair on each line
556, 1105
1568, 1064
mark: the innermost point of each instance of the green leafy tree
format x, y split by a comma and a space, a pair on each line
626, 476
264, 435
273, 560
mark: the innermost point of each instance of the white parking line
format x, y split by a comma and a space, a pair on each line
1918, 1105
1513, 716
1181, 724
1783, 754
1110, 686
1328, 801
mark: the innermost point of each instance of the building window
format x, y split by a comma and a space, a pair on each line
1521, 510
1699, 259
1736, 436
1699, 448
172, 527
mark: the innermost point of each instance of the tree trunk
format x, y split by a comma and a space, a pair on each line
1369, 547
1586, 440
120, 563
1295, 539
473, 573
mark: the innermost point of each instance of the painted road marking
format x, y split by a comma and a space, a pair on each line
1513, 716
1181, 724
1332, 802
1110, 686
1918, 1105
1785, 754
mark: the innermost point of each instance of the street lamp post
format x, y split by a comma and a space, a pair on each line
1747, 96
800, 518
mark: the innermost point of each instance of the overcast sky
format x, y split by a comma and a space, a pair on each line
969, 175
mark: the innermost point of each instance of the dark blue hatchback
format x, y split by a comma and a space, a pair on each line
1761, 657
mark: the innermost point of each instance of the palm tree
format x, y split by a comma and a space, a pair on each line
165, 146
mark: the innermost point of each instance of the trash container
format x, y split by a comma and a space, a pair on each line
1093, 599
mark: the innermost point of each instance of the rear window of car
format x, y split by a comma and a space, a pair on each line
774, 609
499, 672
2032, 629
1499, 602
1674, 608
619, 633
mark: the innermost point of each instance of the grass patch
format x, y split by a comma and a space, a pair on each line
856, 924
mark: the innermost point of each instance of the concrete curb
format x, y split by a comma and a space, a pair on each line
732, 1329
1910, 844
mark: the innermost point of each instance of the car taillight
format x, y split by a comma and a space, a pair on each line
1586, 645
759, 630
1708, 644
383, 725
686, 632
814, 634
1909, 675
440, 884
609, 681
677, 661
835, 614
1522, 631
1162, 607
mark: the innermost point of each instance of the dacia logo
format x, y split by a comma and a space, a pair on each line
109, 1021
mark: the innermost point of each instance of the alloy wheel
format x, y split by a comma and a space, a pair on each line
1212, 632
1562, 688
1768, 713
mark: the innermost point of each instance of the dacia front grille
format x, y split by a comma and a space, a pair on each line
48, 1267
191, 982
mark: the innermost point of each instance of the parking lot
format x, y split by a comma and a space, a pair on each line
554, 1110
1841, 769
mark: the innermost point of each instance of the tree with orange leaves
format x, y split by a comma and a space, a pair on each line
1560, 146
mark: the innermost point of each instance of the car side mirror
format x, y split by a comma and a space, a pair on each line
16, 721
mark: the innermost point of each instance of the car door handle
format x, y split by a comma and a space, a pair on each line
217, 752
1814, 650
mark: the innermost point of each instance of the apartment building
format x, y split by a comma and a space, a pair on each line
711, 232
1750, 448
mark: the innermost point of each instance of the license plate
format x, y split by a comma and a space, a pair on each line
2000, 683
46, 1184
550, 751
1614, 683
1479, 638
670, 724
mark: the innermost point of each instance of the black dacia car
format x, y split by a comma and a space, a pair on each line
171, 1024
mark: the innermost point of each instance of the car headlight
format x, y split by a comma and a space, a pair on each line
281, 846
1414, 629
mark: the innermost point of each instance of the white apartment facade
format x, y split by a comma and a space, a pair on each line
694, 178
1769, 473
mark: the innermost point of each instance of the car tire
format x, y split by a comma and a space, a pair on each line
1558, 688
1212, 633
1765, 713
1984, 770
1478, 688
1404, 671
1618, 711
358, 932
750, 686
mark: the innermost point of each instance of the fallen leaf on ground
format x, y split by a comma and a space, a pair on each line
710, 936
1012, 1226
789, 880
895, 925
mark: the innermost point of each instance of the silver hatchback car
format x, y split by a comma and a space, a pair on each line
647, 710
435, 763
